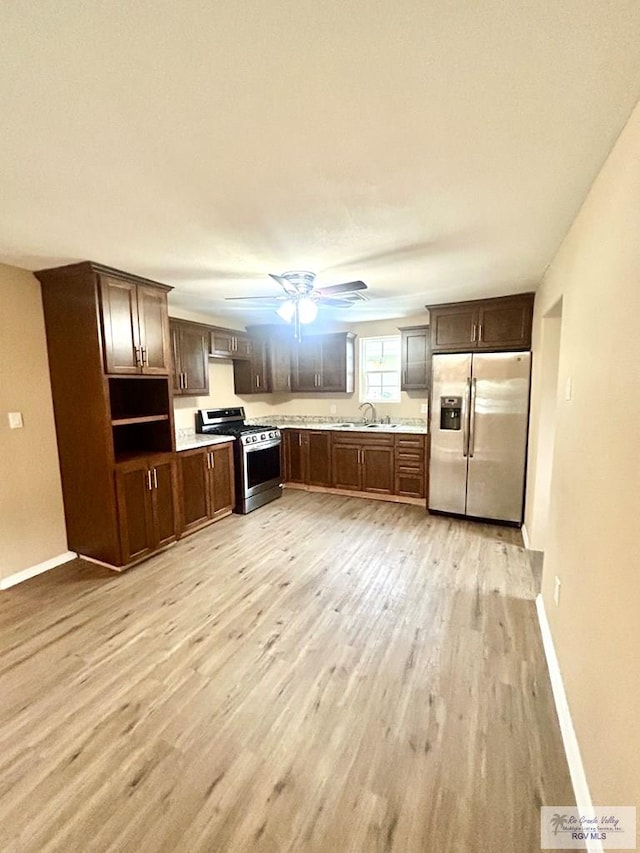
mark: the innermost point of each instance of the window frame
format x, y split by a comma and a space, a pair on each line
362, 372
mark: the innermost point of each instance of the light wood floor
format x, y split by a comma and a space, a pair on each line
326, 674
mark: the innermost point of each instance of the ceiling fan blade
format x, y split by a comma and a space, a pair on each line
254, 298
334, 303
284, 283
345, 287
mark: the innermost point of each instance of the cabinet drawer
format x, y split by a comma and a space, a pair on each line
363, 439
409, 464
409, 442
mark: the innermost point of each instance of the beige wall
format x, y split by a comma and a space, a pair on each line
592, 536
264, 405
32, 528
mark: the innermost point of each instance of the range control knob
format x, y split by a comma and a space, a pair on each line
263, 436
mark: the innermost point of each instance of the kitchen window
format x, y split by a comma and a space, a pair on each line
380, 369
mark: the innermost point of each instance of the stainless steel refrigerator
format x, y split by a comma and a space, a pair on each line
479, 420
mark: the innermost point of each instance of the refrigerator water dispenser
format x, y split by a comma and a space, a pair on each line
451, 413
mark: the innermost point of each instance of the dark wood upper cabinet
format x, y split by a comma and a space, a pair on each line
135, 326
190, 348
252, 375
279, 348
307, 364
154, 330
324, 363
228, 343
269, 368
503, 323
415, 350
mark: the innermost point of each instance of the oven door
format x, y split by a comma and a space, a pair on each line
261, 469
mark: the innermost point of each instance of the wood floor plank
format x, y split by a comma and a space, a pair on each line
325, 674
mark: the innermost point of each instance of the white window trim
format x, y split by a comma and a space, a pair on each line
362, 382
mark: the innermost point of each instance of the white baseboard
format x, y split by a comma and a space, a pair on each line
525, 537
32, 571
569, 739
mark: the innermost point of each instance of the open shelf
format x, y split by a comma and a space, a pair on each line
144, 419
134, 399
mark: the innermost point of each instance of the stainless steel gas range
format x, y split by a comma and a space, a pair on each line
258, 476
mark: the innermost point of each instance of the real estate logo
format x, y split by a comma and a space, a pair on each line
571, 828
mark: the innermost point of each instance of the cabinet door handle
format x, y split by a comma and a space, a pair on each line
138, 357
186, 381
213, 460
479, 332
155, 479
149, 486
404, 377
473, 333
145, 356
288, 380
257, 380
363, 457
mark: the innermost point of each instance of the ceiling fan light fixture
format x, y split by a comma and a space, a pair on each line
307, 310
287, 310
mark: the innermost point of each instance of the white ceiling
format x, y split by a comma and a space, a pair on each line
437, 149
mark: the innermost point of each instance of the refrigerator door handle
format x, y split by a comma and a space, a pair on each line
472, 418
465, 420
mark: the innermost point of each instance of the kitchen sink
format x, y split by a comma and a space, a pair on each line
381, 426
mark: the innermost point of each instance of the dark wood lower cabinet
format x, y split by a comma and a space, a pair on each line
382, 464
347, 473
318, 452
307, 457
363, 463
377, 470
294, 452
223, 494
146, 494
411, 465
206, 485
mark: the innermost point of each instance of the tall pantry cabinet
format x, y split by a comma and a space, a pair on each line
110, 364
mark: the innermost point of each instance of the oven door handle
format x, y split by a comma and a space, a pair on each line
264, 445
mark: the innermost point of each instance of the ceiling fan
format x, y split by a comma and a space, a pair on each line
299, 304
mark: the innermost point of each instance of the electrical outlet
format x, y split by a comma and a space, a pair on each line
15, 420
556, 591
424, 408
332, 409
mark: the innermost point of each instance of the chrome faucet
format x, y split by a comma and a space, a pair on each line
372, 419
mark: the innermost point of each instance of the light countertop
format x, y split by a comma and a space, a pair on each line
191, 442
411, 429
